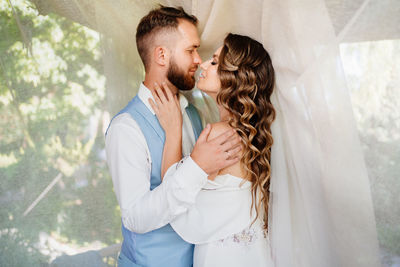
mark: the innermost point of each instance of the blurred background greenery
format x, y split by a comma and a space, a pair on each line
52, 106
56, 194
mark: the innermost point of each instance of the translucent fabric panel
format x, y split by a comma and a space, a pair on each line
373, 78
66, 67
55, 190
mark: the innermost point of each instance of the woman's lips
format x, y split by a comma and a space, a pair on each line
192, 71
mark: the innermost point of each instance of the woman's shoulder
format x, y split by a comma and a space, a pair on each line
235, 169
218, 128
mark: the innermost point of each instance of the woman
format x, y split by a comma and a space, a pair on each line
229, 221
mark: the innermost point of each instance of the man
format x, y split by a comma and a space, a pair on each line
167, 42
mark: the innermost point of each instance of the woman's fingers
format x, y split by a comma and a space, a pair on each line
154, 106
234, 152
231, 143
155, 96
167, 91
178, 104
164, 99
223, 137
160, 93
204, 134
167, 111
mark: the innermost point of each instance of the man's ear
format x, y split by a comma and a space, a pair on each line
161, 55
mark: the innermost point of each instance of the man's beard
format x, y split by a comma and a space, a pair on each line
178, 78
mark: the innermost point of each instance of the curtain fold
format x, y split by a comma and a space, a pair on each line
322, 212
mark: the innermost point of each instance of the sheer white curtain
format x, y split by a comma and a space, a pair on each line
320, 189
322, 212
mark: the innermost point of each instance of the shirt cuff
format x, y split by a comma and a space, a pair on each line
191, 173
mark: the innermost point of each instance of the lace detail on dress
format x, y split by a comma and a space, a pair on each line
244, 238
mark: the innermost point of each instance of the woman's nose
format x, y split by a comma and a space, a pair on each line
203, 65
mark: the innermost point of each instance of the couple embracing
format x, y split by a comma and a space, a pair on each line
188, 195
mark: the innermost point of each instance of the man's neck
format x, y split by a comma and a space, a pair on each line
149, 82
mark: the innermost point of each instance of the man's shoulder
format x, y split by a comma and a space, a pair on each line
123, 121
125, 130
124, 116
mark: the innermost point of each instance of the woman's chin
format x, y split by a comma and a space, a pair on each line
213, 95
201, 89
210, 93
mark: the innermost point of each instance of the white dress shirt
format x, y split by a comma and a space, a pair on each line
129, 161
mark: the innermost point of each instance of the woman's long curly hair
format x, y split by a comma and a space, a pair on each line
247, 81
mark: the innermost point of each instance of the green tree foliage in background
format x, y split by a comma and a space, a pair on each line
52, 101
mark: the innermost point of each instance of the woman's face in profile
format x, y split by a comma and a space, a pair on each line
209, 81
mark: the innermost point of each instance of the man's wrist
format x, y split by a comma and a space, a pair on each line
198, 164
194, 165
198, 177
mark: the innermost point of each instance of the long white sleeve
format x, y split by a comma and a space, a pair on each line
222, 209
129, 162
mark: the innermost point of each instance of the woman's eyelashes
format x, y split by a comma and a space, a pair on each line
213, 63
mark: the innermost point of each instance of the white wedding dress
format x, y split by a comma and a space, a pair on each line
220, 226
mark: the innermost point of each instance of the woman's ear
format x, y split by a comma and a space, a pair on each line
161, 55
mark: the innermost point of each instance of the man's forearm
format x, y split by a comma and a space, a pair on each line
172, 152
156, 208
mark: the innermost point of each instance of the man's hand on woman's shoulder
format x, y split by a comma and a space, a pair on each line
218, 147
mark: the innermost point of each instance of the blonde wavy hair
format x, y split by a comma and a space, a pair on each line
247, 81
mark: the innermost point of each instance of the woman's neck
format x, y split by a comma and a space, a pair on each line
223, 113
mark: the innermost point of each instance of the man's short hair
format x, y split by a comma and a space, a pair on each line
158, 20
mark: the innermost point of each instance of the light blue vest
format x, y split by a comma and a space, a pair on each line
160, 247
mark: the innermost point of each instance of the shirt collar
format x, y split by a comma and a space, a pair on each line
144, 94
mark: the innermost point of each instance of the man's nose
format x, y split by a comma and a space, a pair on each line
197, 58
